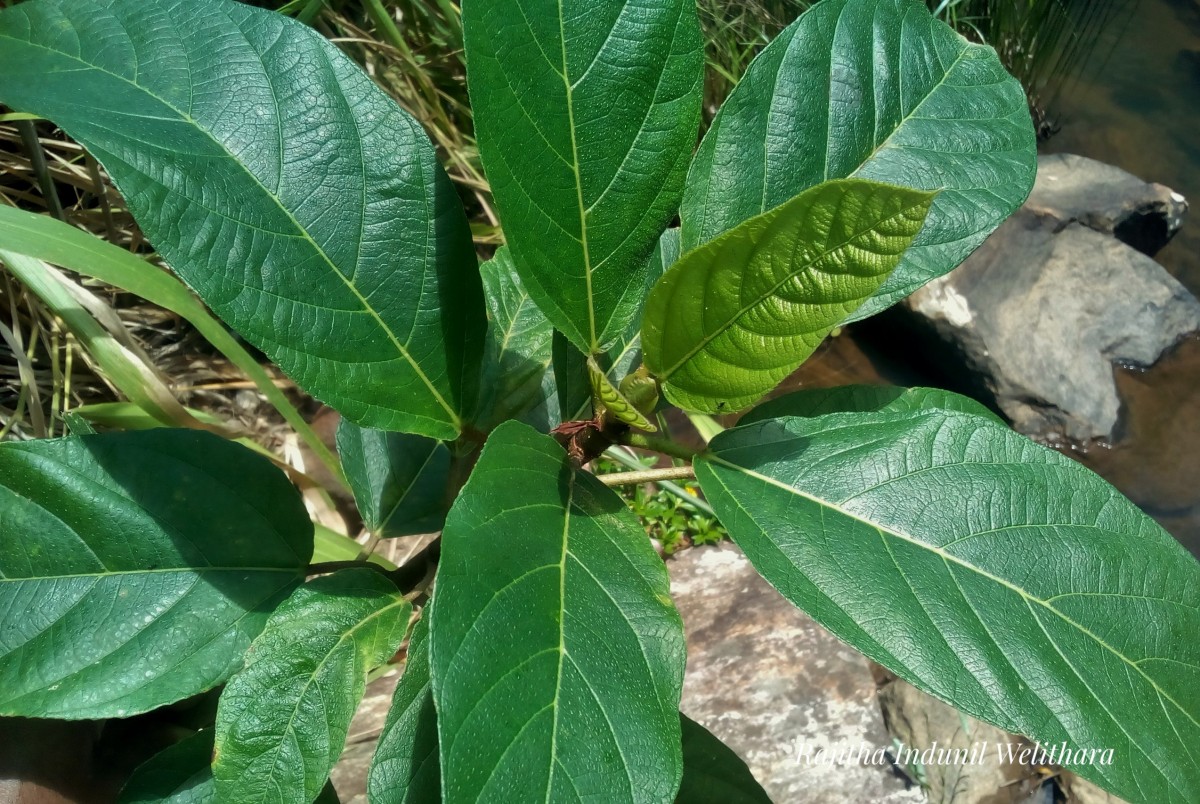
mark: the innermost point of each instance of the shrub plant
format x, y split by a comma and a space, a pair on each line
867, 150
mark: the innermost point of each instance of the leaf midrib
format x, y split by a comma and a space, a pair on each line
455, 419
562, 627
593, 341
949, 557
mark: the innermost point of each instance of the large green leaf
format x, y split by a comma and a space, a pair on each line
299, 201
556, 653
861, 399
734, 317
282, 721
518, 378
405, 768
713, 773
399, 480
998, 575
135, 568
876, 89
586, 115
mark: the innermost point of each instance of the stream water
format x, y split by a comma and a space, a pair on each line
1135, 105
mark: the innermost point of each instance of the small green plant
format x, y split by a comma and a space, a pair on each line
867, 150
673, 513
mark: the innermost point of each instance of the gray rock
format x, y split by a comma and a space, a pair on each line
1051, 300
1080, 791
350, 774
770, 682
1074, 188
921, 722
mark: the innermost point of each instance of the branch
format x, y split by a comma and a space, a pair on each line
658, 444
648, 476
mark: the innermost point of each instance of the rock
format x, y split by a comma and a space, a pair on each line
1080, 791
920, 721
1075, 189
1052, 299
350, 774
771, 683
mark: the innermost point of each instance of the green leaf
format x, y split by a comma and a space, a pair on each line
556, 653
299, 201
586, 116
812, 402
179, 774
572, 386
145, 563
282, 721
993, 573
399, 480
713, 773
874, 89
518, 379
405, 768
734, 317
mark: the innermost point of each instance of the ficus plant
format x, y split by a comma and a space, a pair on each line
868, 150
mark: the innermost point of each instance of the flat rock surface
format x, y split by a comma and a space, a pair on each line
769, 681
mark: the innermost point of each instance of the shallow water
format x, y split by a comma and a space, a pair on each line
1140, 110
1137, 106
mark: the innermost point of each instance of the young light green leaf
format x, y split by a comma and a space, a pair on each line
144, 564
299, 201
586, 115
405, 768
398, 479
874, 89
550, 593
518, 379
863, 399
282, 721
181, 774
991, 572
713, 773
734, 317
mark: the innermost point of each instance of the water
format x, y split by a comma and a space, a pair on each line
1137, 106
1140, 110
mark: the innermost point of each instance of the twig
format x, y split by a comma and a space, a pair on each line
648, 476
663, 445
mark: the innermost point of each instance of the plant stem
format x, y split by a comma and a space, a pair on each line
37, 161
369, 547
334, 566
658, 444
648, 476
